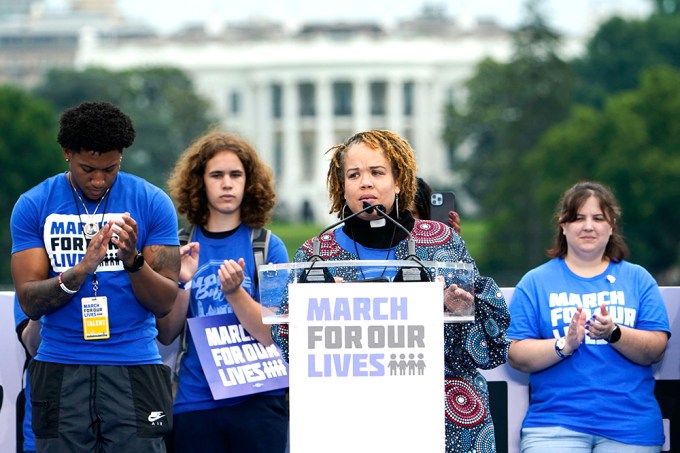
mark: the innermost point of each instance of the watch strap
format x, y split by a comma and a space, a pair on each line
559, 352
137, 264
615, 335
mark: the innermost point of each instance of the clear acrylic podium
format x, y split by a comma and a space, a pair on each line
275, 278
366, 357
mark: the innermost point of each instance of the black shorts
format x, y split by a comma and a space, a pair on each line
100, 408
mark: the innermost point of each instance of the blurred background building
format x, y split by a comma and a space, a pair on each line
34, 38
293, 93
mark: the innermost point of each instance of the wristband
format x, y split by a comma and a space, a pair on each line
185, 286
560, 343
64, 288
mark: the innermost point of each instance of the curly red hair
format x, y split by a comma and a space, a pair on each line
187, 189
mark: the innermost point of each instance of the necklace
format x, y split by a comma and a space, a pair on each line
389, 249
90, 227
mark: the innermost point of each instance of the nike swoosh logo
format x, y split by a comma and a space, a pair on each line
153, 417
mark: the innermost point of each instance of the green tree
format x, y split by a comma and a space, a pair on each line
667, 7
29, 153
509, 107
632, 145
162, 102
621, 49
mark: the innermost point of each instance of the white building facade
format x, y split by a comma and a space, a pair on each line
295, 98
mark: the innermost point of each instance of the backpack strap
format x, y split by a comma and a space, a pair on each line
259, 240
185, 235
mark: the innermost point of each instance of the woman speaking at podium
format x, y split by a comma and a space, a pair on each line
372, 176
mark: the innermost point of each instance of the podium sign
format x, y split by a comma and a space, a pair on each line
366, 367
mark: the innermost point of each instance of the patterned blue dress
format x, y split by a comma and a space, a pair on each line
467, 346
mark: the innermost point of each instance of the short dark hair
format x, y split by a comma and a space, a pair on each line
95, 126
422, 199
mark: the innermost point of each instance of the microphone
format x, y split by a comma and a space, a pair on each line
369, 208
323, 275
411, 242
407, 274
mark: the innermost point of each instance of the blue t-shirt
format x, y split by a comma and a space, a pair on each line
29, 436
596, 376
207, 299
47, 217
368, 253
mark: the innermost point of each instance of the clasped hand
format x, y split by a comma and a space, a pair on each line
120, 232
598, 327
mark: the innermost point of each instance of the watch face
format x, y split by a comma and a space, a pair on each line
561, 342
139, 261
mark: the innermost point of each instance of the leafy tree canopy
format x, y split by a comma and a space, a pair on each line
29, 153
164, 107
509, 107
632, 146
621, 49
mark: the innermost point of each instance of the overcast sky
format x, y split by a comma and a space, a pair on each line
576, 16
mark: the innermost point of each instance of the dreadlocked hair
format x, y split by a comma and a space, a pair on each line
398, 153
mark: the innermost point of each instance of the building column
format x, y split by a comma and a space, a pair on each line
361, 115
325, 138
260, 114
426, 141
292, 154
395, 105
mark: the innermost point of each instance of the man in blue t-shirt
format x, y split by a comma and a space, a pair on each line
95, 259
225, 191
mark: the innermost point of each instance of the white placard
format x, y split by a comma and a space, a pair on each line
366, 367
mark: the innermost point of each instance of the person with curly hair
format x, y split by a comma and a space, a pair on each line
225, 191
95, 259
378, 167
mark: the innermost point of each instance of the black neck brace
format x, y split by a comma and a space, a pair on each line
382, 237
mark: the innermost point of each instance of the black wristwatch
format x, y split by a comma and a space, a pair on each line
615, 335
137, 264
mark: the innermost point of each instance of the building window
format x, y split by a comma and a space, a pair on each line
235, 102
307, 102
378, 98
342, 98
408, 98
277, 100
